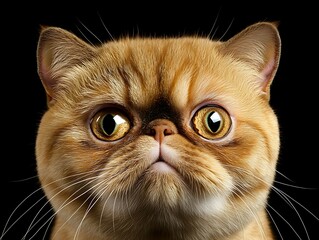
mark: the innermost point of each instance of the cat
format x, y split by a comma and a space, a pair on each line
159, 138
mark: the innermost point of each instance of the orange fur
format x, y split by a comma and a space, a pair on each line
161, 179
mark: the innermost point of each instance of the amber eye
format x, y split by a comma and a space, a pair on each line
110, 125
211, 122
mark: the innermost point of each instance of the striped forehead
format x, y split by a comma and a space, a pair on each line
151, 85
160, 76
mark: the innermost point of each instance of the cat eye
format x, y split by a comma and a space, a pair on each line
211, 122
110, 125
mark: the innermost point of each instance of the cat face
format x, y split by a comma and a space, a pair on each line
146, 137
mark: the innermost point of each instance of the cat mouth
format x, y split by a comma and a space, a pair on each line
162, 166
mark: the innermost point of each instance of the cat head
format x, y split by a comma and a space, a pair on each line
158, 131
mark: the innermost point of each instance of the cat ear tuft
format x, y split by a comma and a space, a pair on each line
59, 50
259, 45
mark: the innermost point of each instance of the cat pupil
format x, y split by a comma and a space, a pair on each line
108, 124
214, 121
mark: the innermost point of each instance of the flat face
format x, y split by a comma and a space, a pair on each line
163, 130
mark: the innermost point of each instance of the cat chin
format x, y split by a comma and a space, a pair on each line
166, 206
209, 216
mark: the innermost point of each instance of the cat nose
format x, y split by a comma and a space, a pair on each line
159, 128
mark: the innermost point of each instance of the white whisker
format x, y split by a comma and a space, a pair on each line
94, 188
25, 179
283, 175
283, 196
113, 212
238, 216
213, 27
87, 39
231, 23
107, 30
285, 221
6, 227
64, 204
33, 223
286, 196
49, 224
105, 202
67, 202
273, 220
252, 213
90, 32
91, 204
98, 194
294, 186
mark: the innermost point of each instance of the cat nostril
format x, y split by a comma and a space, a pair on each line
160, 128
152, 132
167, 132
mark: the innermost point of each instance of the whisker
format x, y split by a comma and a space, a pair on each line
246, 171
238, 216
33, 223
284, 196
64, 204
294, 186
105, 202
231, 23
266, 211
95, 186
25, 179
91, 204
113, 212
97, 196
127, 204
6, 227
273, 220
302, 206
90, 32
285, 221
49, 224
283, 175
87, 39
238, 188
213, 27
107, 30
252, 212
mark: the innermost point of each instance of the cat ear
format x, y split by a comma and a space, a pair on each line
259, 46
59, 50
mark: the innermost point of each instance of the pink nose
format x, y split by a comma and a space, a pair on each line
160, 128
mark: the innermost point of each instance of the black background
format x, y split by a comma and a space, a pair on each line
294, 93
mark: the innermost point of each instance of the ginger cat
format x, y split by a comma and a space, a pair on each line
159, 138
